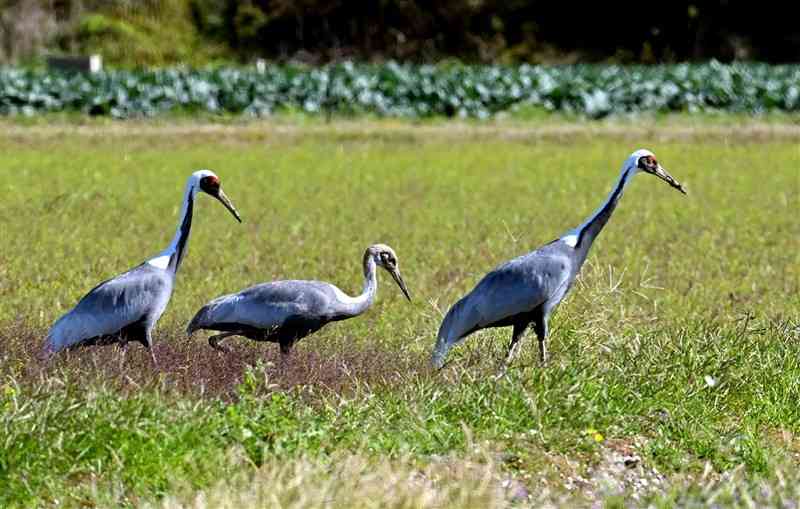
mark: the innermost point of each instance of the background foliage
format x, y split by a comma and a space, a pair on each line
158, 32
407, 90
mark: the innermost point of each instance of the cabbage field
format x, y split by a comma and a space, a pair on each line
405, 90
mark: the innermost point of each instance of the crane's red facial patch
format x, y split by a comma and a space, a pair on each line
648, 163
210, 183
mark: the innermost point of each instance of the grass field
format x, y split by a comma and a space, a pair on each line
675, 372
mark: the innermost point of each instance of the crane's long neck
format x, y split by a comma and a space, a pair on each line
582, 237
354, 306
170, 259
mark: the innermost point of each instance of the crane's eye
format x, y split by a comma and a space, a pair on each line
648, 163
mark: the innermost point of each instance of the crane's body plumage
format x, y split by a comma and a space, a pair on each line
279, 312
124, 308
284, 312
518, 290
526, 290
127, 307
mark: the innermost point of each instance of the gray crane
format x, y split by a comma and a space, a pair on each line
526, 290
284, 312
127, 307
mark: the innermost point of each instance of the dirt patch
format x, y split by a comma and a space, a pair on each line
621, 472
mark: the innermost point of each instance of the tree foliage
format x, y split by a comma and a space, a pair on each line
158, 32
504, 30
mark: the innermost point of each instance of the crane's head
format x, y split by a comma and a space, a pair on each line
644, 160
208, 182
385, 257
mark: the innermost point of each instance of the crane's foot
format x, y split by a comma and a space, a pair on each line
513, 351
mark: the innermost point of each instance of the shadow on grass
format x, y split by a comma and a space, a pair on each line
190, 367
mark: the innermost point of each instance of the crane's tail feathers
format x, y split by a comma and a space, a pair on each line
451, 332
192, 327
439, 353
57, 339
437, 361
198, 321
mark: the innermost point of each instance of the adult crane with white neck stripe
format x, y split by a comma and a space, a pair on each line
284, 312
526, 290
127, 307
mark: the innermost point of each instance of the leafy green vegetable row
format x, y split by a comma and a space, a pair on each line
406, 90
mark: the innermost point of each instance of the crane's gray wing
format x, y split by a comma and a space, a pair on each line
516, 287
140, 294
265, 306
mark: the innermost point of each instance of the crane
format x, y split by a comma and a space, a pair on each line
127, 307
526, 290
284, 312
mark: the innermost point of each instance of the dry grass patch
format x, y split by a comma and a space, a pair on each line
189, 367
280, 130
354, 481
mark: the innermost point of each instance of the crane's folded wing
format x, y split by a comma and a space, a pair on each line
140, 293
514, 288
264, 306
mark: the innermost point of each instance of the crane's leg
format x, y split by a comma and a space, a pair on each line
540, 327
214, 341
286, 355
148, 338
123, 346
513, 348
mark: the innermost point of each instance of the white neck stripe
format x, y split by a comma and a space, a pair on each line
162, 259
571, 237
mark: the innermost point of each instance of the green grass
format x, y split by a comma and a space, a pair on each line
679, 343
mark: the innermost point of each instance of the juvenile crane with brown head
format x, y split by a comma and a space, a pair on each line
284, 312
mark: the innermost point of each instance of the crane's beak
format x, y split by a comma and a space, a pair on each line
223, 198
395, 272
664, 175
